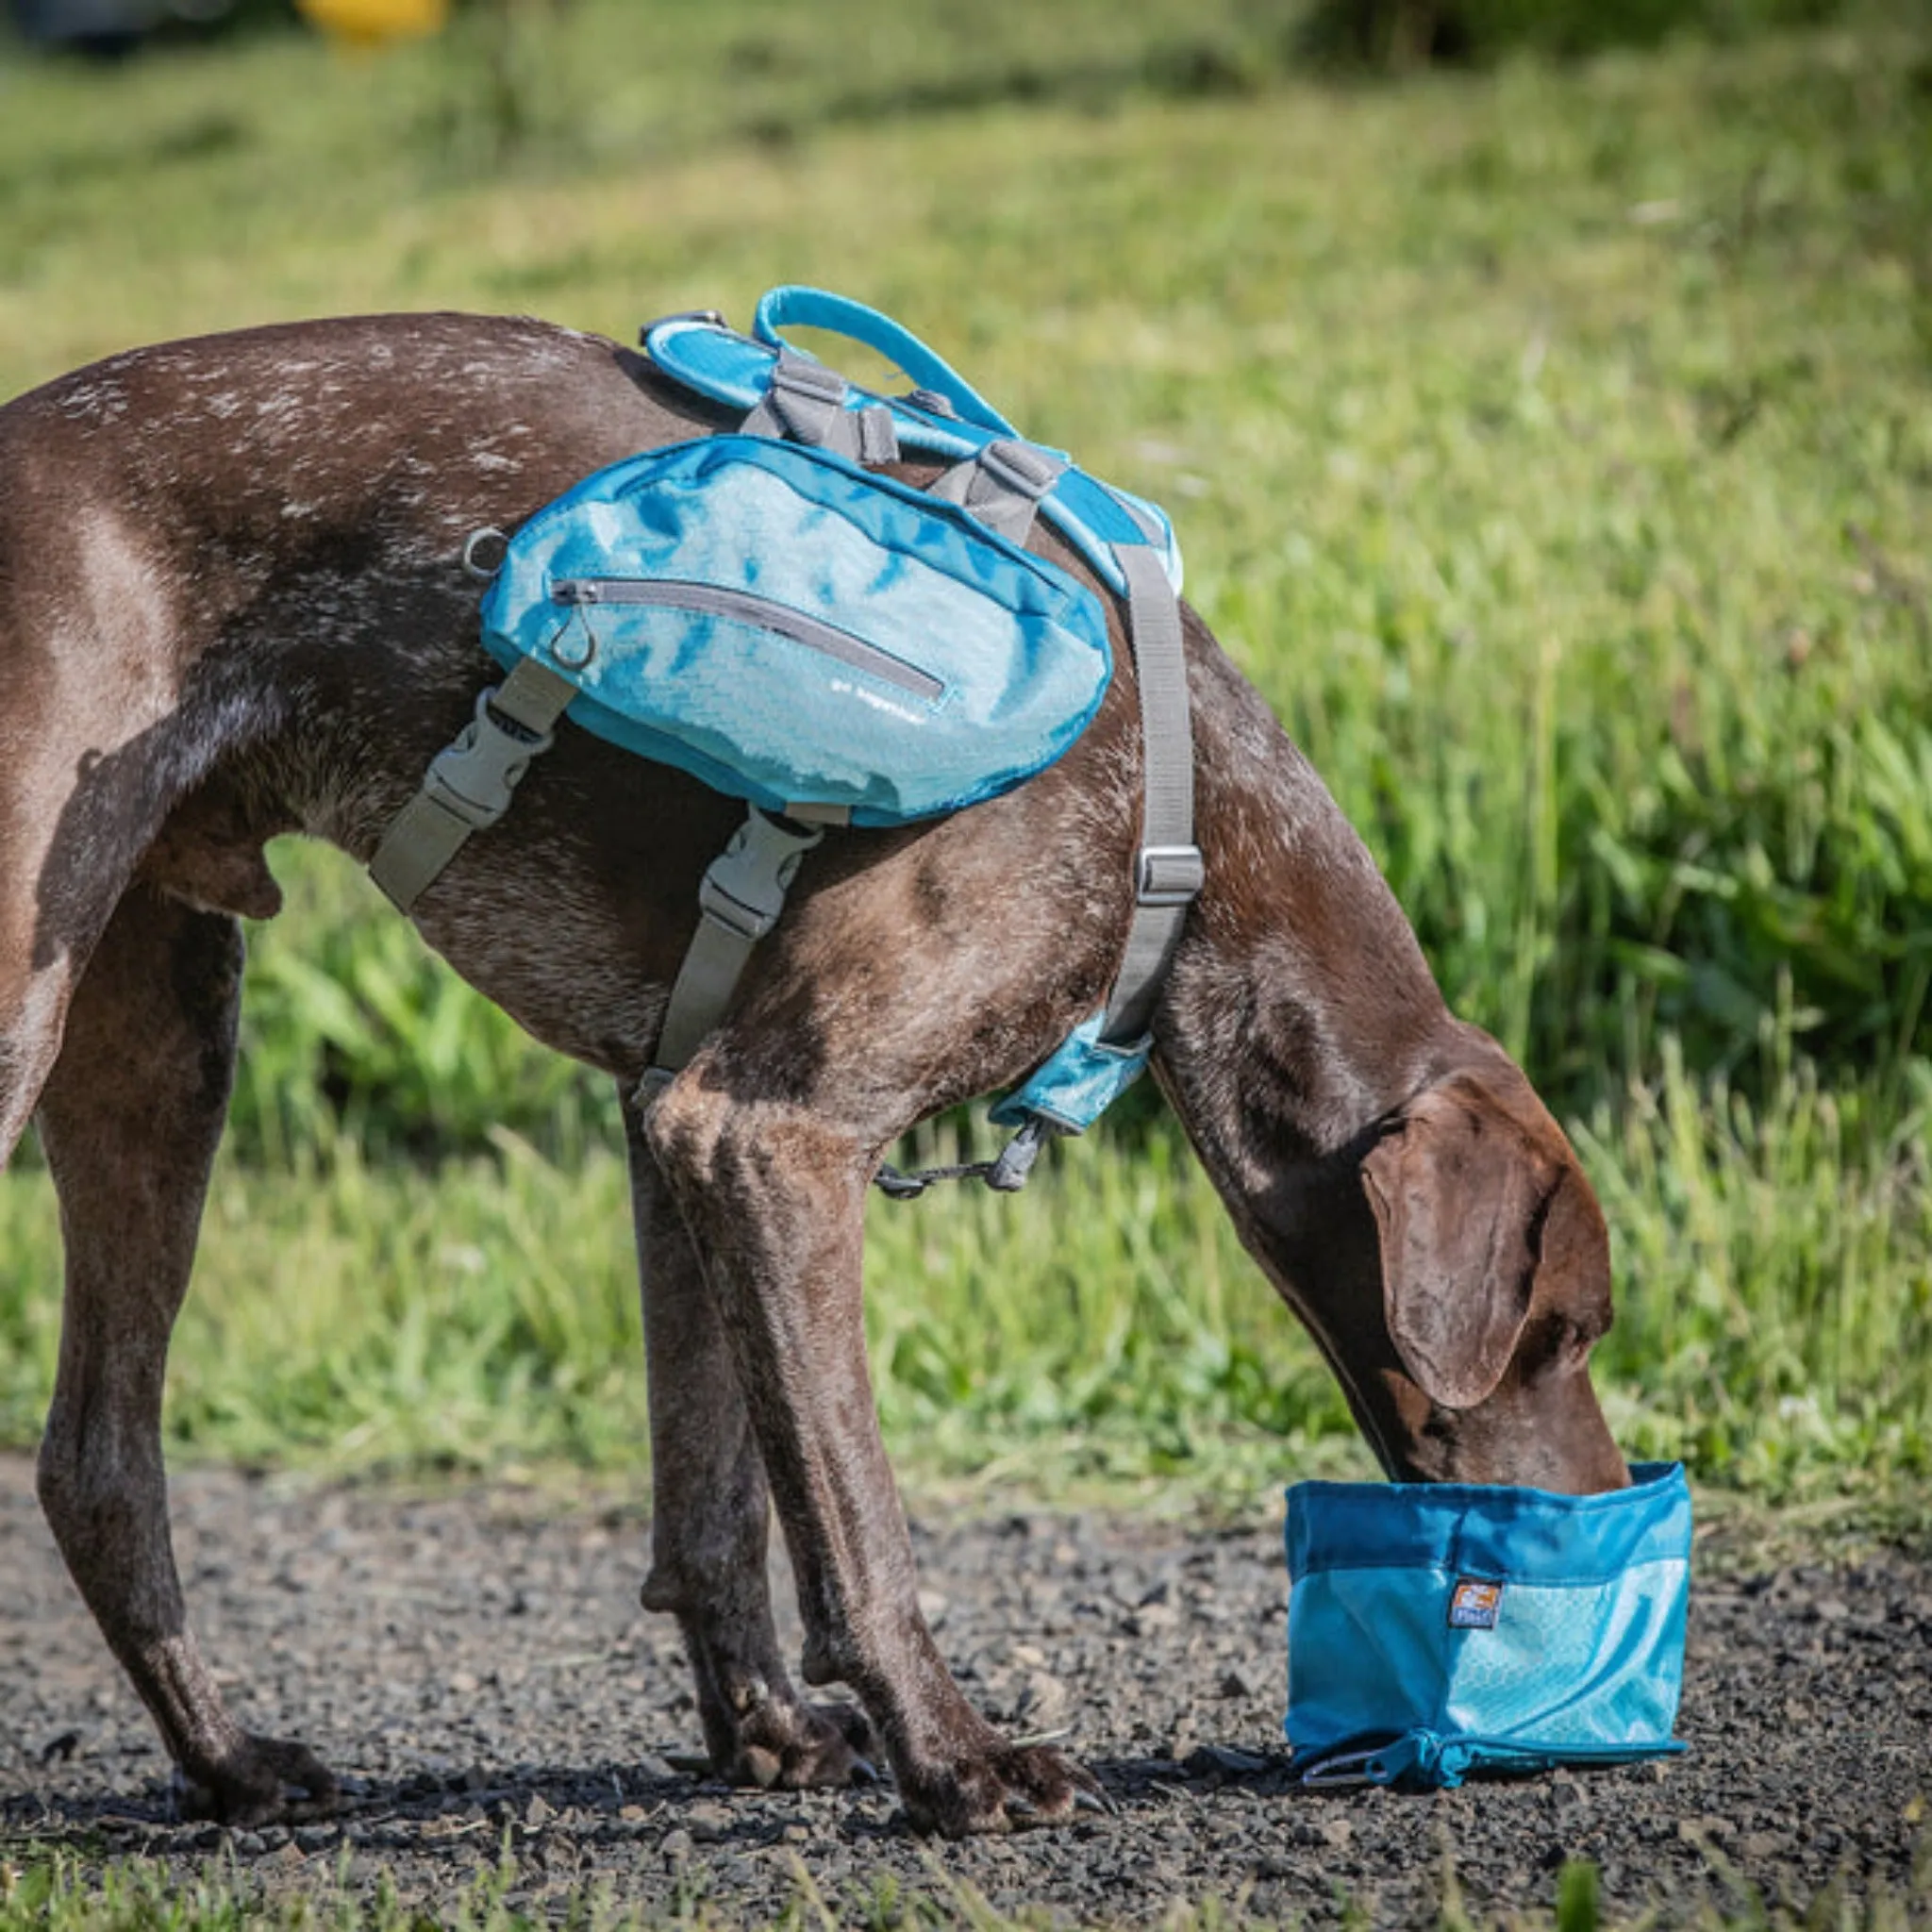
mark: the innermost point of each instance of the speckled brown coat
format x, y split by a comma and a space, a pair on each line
232, 605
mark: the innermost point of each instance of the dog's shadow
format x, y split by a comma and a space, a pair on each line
516, 1808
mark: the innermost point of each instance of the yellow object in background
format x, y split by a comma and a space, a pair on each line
374, 23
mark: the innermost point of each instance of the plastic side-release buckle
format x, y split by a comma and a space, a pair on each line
1169, 874
743, 889
474, 777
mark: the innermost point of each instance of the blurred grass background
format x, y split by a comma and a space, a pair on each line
1550, 434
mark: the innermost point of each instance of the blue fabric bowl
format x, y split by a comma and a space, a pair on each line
1439, 1628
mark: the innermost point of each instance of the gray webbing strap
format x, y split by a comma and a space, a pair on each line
739, 899
1002, 486
806, 402
469, 783
1168, 869
744, 891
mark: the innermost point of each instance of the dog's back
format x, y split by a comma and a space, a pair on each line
217, 550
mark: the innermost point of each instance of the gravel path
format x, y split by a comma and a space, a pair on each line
477, 1664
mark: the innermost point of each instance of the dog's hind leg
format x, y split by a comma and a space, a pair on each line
130, 1117
710, 1522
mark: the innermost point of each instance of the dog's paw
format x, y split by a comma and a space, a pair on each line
796, 1746
262, 1781
1009, 1788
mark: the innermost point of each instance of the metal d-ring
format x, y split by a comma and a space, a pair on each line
474, 542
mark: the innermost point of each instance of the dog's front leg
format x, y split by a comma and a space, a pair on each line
130, 1117
711, 1520
773, 1196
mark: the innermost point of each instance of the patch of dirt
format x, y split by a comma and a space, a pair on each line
478, 1665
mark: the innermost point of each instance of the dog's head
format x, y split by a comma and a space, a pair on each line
1471, 1362
1494, 1276
1454, 1265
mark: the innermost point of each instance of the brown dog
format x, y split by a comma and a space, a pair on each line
231, 606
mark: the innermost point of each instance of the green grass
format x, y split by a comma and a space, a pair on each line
1552, 445
59, 1892
1102, 1328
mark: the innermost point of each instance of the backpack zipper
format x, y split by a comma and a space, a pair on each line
746, 607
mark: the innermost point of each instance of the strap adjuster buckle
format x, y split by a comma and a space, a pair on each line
798, 375
743, 889
1169, 874
473, 779
805, 401
1027, 471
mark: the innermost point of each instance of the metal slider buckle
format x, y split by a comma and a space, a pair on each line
1169, 874
743, 889
474, 777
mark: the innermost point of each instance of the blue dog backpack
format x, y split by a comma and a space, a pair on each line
765, 610
801, 638
1435, 1629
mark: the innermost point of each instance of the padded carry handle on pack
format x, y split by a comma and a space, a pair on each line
941, 416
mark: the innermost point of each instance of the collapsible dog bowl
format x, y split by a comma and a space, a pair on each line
1435, 1629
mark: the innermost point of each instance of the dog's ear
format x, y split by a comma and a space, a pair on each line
1469, 1196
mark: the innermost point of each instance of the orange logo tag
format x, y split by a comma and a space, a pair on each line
1475, 1605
